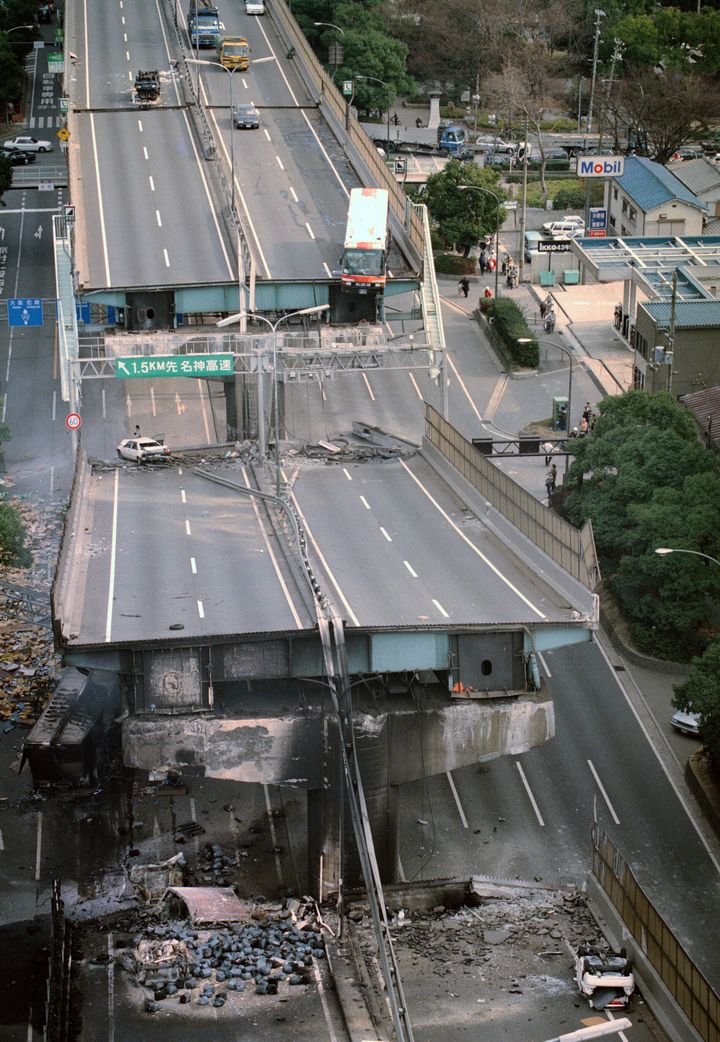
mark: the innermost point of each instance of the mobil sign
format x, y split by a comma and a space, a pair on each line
600, 166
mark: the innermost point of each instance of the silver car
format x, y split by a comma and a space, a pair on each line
25, 143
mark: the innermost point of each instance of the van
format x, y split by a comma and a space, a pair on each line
254, 7
531, 244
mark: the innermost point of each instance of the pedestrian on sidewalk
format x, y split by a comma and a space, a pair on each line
482, 261
587, 413
553, 471
550, 320
488, 293
464, 287
549, 486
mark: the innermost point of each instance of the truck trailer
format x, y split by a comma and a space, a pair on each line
447, 140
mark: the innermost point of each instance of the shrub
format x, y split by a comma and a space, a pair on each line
454, 264
508, 323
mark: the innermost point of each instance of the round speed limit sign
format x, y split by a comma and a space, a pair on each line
73, 421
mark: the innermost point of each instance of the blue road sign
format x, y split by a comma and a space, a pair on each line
25, 311
82, 311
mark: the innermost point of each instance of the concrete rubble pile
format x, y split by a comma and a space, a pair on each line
178, 961
29, 666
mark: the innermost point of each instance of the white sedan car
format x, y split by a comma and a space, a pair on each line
25, 143
142, 450
606, 981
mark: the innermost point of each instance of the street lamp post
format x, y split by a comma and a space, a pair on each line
662, 551
387, 88
479, 188
217, 65
273, 326
568, 352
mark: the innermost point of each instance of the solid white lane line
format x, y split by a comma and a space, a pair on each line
470, 543
418, 392
460, 380
456, 797
364, 502
212, 208
369, 388
347, 474
183, 497
310, 231
544, 664
605, 796
101, 210
389, 538
297, 103
238, 188
201, 610
113, 555
528, 790
187, 527
38, 846
193, 566
152, 184
324, 563
440, 608
410, 569
273, 558
656, 751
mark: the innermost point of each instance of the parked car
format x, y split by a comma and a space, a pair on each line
142, 450
246, 117
606, 981
25, 143
687, 722
555, 159
686, 153
565, 228
501, 160
16, 157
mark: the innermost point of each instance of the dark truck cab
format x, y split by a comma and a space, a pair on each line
147, 86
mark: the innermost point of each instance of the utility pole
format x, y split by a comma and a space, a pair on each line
599, 15
523, 207
617, 54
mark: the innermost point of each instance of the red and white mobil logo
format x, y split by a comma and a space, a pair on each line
601, 166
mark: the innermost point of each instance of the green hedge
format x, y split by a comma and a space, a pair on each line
454, 264
508, 323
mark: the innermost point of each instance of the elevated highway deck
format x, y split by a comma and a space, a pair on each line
158, 190
163, 555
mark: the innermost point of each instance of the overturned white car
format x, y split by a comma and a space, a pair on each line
606, 980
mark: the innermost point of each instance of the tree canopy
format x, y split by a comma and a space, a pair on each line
644, 480
464, 216
701, 694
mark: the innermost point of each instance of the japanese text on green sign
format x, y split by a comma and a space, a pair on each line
174, 365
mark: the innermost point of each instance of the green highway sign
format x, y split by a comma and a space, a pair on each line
174, 365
